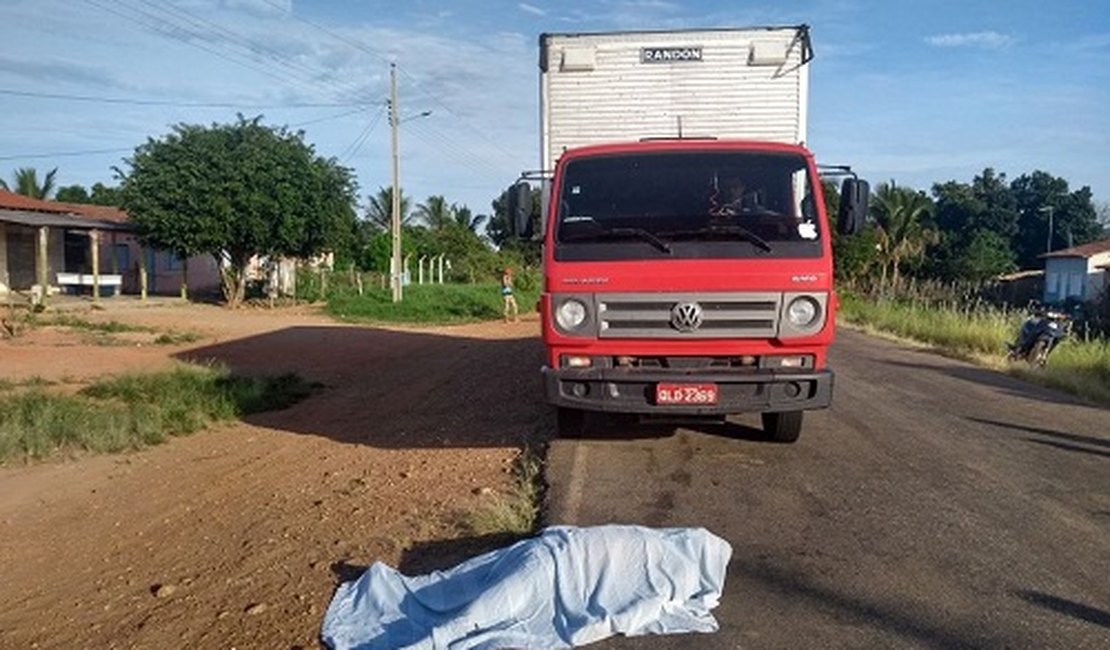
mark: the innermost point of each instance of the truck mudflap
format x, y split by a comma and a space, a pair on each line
621, 391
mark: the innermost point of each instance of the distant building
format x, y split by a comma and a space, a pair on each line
1078, 273
67, 232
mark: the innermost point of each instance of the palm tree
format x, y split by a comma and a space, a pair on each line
436, 213
380, 209
465, 218
902, 234
25, 181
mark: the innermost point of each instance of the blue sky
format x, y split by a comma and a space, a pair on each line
918, 92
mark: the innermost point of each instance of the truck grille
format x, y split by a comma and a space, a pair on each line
731, 315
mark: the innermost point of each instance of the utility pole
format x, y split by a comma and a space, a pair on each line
1048, 244
395, 222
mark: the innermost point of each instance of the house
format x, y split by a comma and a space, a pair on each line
1078, 273
51, 246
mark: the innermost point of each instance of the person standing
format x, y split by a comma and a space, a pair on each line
507, 297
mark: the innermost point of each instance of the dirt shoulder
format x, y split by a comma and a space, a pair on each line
236, 536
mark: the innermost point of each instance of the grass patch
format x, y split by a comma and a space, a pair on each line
109, 327
980, 331
1075, 366
176, 338
133, 411
516, 512
430, 304
103, 333
32, 382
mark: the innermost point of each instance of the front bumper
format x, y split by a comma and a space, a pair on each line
633, 391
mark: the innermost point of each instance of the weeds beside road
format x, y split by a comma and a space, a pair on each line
133, 410
430, 304
981, 334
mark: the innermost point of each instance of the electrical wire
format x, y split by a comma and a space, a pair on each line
363, 48
178, 31
209, 30
361, 109
360, 140
91, 152
155, 102
87, 152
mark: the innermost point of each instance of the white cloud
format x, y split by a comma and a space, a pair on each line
653, 5
55, 70
261, 7
532, 9
989, 40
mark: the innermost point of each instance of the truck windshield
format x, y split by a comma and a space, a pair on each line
697, 204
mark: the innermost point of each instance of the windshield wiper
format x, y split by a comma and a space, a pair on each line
639, 233
730, 230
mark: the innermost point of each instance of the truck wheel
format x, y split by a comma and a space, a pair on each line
783, 427
570, 423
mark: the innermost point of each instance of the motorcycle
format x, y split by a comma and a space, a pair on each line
1039, 335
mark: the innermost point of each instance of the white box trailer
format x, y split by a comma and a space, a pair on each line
746, 83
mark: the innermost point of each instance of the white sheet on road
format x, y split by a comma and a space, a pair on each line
566, 587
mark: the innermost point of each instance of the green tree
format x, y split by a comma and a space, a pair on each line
968, 217
900, 227
235, 191
25, 181
467, 219
435, 213
379, 210
1041, 196
72, 194
101, 195
984, 255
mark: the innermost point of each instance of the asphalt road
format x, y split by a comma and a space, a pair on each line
935, 505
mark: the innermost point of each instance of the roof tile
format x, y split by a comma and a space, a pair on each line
13, 201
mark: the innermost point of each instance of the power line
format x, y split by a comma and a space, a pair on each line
361, 109
87, 152
360, 140
172, 35
171, 28
459, 152
361, 47
209, 30
155, 102
92, 152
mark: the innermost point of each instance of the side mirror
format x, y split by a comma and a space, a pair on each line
520, 210
855, 195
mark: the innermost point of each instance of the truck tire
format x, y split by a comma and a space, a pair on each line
783, 427
569, 422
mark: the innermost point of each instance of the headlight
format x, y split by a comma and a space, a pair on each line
802, 312
571, 314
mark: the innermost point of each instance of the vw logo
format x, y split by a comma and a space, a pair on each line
686, 316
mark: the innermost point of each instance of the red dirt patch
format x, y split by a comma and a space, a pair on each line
236, 536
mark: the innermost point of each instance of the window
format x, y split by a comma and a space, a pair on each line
123, 257
1051, 280
173, 262
1075, 285
687, 204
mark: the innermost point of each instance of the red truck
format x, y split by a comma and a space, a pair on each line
687, 254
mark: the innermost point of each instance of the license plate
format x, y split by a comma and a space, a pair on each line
686, 393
